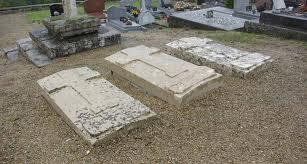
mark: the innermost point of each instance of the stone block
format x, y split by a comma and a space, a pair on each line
68, 27
169, 78
92, 106
223, 59
54, 47
32, 53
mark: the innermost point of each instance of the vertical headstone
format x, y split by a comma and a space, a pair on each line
241, 5
143, 6
70, 8
145, 16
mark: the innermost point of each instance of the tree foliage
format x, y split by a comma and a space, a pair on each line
14, 3
229, 4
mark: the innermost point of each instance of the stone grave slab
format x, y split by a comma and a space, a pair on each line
54, 47
223, 59
222, 19
92, 106
169, 78
32, 53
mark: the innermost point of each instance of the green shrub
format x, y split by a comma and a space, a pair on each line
229, 4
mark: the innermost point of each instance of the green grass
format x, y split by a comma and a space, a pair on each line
38, 16
154, 3
234, 36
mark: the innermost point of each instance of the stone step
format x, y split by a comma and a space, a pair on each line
32, 53
92, 106
11, 53
167, 77
224, 59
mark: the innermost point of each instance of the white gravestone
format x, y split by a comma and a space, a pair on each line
278, 4
145, 16
70, 8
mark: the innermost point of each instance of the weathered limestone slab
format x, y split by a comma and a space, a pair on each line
54, 47
32, 53
68, 27
169, 78
92, 106
223, 59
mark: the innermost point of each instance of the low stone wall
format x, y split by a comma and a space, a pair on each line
275, 31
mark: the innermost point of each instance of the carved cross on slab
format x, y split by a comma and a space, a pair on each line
70, 8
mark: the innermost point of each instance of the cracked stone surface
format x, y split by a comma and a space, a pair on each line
32, 53
169, 78
54, 47
223, 59
96, 109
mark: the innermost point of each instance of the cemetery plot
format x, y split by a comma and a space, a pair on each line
223, 59
221, 19
167, 77
92, 106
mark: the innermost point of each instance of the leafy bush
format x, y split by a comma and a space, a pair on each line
229, 4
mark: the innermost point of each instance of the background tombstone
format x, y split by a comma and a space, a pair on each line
70, 8
145, 16
240, 5
245, 9
95, 8
115, 13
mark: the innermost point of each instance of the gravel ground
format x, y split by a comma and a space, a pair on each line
259, 119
